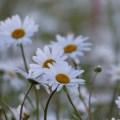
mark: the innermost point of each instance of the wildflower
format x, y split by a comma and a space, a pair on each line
16, 112
14, 31
103, 51
62, 74
43, 58
73, 47
37, 81
115, 72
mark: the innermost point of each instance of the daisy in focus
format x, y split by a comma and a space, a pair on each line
114, 72
73, 47
16, 112
61, 74
15, 31
44, 57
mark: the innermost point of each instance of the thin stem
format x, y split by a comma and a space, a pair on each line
57, 101
81, 97
24, 59
4, 114
89, 102
47, 104
8, 108
37, 104
74, 63
24, 100
109, 115
70, 100
30, 101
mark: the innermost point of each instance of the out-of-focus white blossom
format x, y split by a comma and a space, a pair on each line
10, 76
100, 52
114, 72
118, 102
16, 112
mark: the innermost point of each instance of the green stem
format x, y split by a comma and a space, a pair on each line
37, 104
24, 59
8, 108
47, 104
70, 100
81, 97
89, 102
57, 103
110, 113
4, 114
30, 101
24, 100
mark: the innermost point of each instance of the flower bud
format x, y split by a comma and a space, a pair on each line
98, 69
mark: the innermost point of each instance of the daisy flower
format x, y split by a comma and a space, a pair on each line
74, 47
44, 57
16, 112
114, 72
37, 81
15, 31
62, 74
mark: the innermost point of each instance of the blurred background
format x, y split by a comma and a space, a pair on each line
98, 19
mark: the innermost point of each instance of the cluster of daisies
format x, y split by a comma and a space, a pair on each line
51, 67
51, 62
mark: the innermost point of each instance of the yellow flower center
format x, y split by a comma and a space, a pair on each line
18, 33
70, 48
62, 78
25, 116
45, 65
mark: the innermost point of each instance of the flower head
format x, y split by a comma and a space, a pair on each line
14, 31
44, 57
74, 47
60, 74
37, 81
